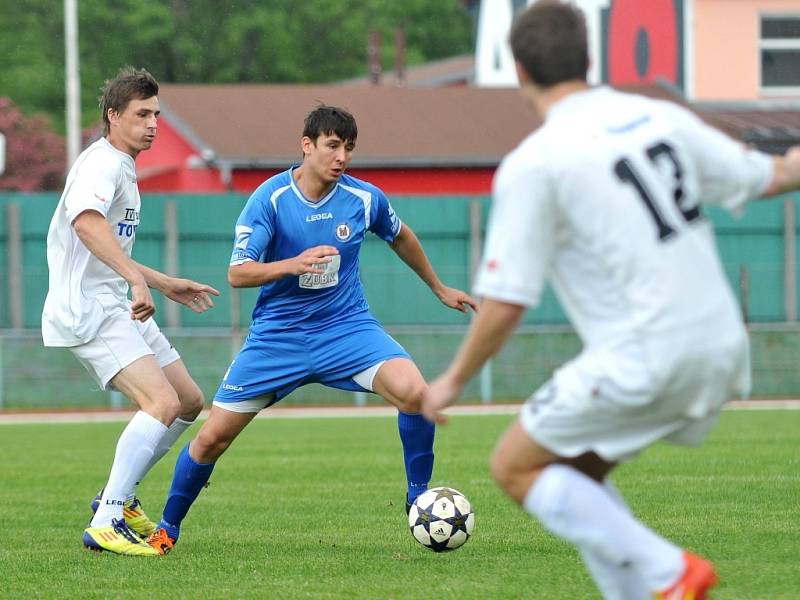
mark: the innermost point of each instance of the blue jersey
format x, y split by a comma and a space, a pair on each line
278, 222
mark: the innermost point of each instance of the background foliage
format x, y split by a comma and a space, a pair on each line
205, 41
34, 153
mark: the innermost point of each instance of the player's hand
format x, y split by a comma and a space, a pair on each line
197, 296
312, 260
142, 305
441, 393
457, 299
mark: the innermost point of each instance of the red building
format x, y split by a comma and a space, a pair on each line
412, 140
419, 139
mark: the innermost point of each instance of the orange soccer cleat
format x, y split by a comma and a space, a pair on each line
698, 577
161, 541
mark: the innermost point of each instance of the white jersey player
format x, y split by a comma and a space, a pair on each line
83, 287
603, 201
87, 308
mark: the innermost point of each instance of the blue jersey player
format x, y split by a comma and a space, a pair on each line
298, 239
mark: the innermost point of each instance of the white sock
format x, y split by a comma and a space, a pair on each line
135, 448
580, 510
615, 582
164, 444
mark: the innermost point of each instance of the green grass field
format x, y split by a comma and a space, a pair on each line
313, 508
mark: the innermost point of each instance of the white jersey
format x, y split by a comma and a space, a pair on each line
603, 201
83, 290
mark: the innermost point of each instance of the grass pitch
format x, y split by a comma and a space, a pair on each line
313, 508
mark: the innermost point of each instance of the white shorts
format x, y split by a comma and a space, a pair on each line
120, 341
579, 410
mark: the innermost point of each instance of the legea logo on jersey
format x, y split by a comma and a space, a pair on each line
343, 232
318, 217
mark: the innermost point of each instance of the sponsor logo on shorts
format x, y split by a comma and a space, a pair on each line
232, 388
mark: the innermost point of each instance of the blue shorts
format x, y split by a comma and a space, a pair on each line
279, 361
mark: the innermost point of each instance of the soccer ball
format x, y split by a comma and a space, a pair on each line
441, 519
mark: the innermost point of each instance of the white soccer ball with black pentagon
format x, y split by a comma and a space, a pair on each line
441, 519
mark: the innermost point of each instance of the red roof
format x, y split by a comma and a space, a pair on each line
260, 125
257, 126
771, 127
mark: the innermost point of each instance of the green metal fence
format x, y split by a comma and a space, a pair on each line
192, 235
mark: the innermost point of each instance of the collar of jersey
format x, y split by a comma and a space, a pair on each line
302, 197
576, 98
125, 156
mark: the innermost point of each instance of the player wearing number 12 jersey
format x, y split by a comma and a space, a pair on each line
603, 201
298, 239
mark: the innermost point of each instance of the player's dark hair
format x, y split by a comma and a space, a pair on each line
330, 120
129, 84
549, 40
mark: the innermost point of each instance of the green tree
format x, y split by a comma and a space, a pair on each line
207, 41
32, 72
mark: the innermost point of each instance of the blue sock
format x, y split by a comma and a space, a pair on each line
416, 433
187, 481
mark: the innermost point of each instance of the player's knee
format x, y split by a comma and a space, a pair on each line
191, 403
513, 482
208, 446
500, 472
162, 403
410, 396
171, 407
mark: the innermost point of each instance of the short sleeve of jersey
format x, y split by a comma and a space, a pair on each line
520, 237
384, 222
94, 186
729, 173
254, 228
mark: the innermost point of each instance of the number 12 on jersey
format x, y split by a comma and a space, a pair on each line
657, 153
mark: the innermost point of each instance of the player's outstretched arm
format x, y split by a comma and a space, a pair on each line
408, 247
786, 176
196, 296
252, 273
489, 331
95, 232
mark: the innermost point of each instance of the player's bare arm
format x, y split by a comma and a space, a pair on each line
408, 247
786, 177
96, 234
489, 331
194, 295
255, 274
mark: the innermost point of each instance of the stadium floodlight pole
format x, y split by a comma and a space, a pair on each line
73, 81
